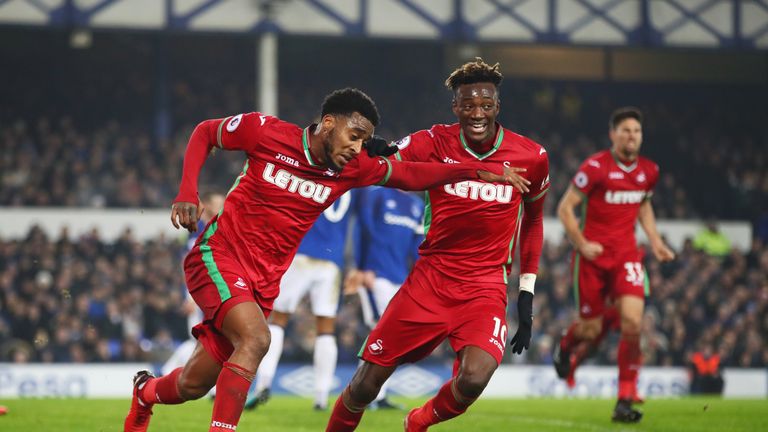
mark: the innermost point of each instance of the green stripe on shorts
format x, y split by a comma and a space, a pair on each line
210, 264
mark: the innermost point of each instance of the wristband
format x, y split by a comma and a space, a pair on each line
527, 280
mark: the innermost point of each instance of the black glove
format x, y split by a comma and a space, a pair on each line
378, 146
522, 339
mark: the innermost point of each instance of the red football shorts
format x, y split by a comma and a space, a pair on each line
431, 307
611, 275
217, 283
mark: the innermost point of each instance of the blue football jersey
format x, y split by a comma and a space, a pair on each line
328, 236
389, 231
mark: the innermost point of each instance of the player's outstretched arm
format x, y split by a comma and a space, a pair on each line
417, 176
647, 219
565, 211
187, 208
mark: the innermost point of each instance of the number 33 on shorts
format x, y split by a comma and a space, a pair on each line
635, 273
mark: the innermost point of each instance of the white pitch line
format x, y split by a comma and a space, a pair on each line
565, 423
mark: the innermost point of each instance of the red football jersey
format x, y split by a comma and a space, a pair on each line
613, 194
278, 196
471, 226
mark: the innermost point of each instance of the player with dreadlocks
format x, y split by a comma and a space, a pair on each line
457, 289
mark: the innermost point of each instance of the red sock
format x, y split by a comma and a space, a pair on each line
344, 418
447, 404
163, 390
569, 339
582, 350
611, 320
231, 391
630, 359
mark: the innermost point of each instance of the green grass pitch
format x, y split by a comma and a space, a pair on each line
296, 414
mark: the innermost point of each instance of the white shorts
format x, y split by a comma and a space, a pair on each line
374, 301
320, 278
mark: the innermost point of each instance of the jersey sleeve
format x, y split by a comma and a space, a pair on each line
589, 175
242, 131
373, 170
416, 147
539, 177
653, 178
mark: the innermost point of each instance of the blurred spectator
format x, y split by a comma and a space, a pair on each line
706, 372
712, 241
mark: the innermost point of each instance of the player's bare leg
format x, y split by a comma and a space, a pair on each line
277, 323
192, 381
629, 358
476, 367
325, 357
361, 391
246, 328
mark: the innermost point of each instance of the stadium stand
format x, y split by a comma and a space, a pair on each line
118, 301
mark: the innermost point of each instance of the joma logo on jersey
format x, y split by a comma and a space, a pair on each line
480, 191
448, 160
287, 159
306, 188
624, 197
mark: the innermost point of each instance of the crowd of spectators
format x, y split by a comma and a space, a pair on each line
66, 144
55, 162
87, 300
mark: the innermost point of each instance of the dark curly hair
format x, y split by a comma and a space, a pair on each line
350, 100
473, 72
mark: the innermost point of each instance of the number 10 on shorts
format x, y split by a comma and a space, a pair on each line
499, 328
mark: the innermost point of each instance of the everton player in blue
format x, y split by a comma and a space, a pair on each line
315, 271
388, 234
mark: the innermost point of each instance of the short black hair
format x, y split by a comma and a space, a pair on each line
473, 72
350, 100
623, 113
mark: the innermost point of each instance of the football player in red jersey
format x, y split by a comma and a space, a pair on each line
233, 272
613, 188
457, 289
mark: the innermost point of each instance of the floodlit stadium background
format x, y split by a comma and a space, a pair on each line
98, 97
